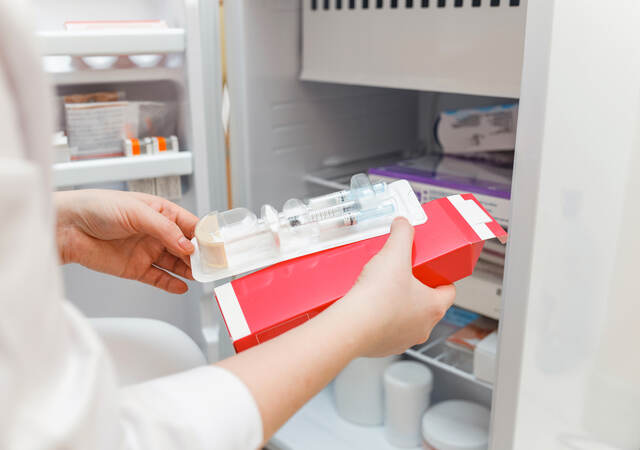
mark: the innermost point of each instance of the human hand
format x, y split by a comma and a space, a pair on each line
390, 308
126, 234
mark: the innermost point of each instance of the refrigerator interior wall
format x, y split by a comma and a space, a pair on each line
282, 128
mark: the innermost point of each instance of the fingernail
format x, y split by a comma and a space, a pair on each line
185, 244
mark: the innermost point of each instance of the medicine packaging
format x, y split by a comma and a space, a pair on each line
266, 303
236, 241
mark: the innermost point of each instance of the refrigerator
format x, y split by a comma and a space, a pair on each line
287, 98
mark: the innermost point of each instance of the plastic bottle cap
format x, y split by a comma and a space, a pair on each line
456, 425
409, 373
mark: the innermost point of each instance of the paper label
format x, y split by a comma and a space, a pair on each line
98, 129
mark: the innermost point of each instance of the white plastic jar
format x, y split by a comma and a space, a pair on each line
456, 425
407, 391
358, 390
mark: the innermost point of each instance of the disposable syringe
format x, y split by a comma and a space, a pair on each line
355, 217
335, 198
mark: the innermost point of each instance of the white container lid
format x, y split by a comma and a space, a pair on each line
456, 425
408, 374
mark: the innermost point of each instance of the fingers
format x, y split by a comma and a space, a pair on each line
186, 221
439, 300
400, 241
162, 280
174, 264
183, 218
147, 220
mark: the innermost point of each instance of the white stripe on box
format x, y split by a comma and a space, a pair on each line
232, 312
474, 215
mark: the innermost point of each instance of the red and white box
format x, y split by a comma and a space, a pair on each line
265, 304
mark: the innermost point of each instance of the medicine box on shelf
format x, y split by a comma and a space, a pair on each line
463, 46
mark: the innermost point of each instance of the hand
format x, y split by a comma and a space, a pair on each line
126, 234
391, 309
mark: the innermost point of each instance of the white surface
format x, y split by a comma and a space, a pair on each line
358, 391
456, 425
485, 358
568, 366
317, 426
75, 173
407, 205
407, 394
112, 41
466, 50
143, 349
232, 312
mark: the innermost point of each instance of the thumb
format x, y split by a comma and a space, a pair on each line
446, 294
147, 220
400, 241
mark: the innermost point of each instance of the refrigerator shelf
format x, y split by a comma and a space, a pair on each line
76, 173
112, 42
436, 353
96, 76
338, 176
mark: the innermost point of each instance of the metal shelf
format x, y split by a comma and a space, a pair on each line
77, 173
112, 42
436, 353
338, 176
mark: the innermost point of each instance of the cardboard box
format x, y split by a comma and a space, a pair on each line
478, 129
485, 358
436, 177
265, 304
467, 337
482, 291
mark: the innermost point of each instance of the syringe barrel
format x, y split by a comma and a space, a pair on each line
374, 213
317, 215
335, 198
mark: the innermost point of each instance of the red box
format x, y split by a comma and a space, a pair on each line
265, 304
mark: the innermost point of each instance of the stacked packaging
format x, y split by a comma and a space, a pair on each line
477, 157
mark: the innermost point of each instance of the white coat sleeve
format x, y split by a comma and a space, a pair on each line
57, 385
56, 375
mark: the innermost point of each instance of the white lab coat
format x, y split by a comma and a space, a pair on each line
57, 385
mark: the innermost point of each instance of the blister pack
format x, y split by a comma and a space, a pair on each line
237, 241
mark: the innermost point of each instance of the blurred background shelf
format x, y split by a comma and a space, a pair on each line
97, 76
76, 173
112, 42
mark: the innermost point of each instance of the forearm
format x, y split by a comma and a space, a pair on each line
285, 372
